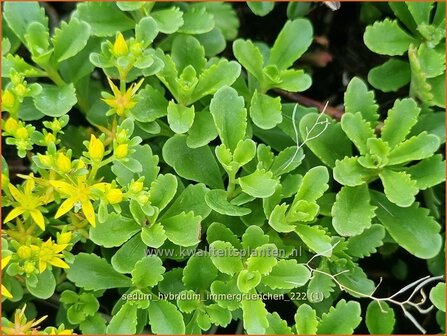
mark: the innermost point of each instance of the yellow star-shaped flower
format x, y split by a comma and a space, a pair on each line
49, 254
80, 194
120, 102
28, 204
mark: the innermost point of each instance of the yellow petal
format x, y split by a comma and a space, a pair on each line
66, 206
89, 212
110, 102
38, 218
63, 187
13, 214
16, 193
28, 187
58, 247
114, 88
5, 261
58, 262
6, 293
136, 86
42, 266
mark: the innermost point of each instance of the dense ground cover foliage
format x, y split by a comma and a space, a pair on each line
165, 171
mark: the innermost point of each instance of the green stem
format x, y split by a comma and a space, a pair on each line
54, 75
231, 185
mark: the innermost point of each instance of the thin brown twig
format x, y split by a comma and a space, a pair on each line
309, 102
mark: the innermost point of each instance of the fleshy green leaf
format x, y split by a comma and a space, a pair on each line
306, 320
366, 243
265, 111
278, 221
55, 101
399, 188
202, 130
183, 229
115, 231
263, 259
247, 280
19, 15
254, 316
125, 321
259, 184
217, 231
163, 190
313, 185
197, 21
349, 172
44, 287
261, 8
168, 20
191, 199
428, 172
335, 321
180, 118
401, 118
420, 11
411, 227
70, 39
105, 18
154, 235
359, 99
230, 116
437, 296
197, 164
277, 325
225, 257
416, 148
387, 38
217, 200
315, 238
217, 76
146, 30
91, 272
147, 272
432, 62
293, 40
380, 318
358, 130
250, 57
352, 212
164, 318
320, 286
380, 78
331, 144
186, 50
129, 254
287, 274
199, 272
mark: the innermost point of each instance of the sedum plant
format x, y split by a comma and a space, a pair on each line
417, 34
171, 191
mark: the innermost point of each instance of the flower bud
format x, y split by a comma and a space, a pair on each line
63, 163
29, 267
136, 49
56, 125
120, 47
136, 187
44, 160
22, 133
8, 99
121, 151
49, 138
11, 125
20, 90
114, 196
96, 149
64, 238
24, 252
143, 199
